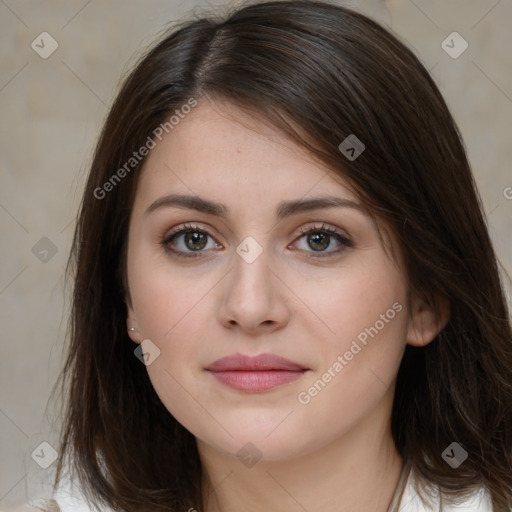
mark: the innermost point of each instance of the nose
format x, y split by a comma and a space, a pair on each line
254, 298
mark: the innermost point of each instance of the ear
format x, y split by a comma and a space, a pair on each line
131, 322
427, 321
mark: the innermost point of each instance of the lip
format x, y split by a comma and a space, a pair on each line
255, 374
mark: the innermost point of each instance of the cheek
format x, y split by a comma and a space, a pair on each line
176, 322
360, 361
172, 310
171, 313
165, 296
356, 299
366, 315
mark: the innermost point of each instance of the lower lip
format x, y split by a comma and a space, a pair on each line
257, 381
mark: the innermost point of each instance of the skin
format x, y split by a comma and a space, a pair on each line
336, 452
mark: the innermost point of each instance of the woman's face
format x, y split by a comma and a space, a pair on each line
243, 278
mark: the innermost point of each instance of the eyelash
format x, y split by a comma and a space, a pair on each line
344, 241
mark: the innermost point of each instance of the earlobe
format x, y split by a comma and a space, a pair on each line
131, 323
134, 335
427, 321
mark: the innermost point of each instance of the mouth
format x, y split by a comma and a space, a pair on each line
255, 374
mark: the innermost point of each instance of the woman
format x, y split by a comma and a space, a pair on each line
286, 297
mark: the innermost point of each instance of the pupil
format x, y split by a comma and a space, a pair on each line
317, 239
195, 238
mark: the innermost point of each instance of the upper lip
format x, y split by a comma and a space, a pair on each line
262, 362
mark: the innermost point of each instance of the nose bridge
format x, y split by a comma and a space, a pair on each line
252, 298
251, 267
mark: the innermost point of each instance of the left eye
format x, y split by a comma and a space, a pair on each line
319, 239
191, 239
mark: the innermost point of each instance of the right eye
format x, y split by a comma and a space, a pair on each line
189, 239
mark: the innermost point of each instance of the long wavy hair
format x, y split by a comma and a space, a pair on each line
318, 73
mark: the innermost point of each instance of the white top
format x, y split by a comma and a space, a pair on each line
407, 499
65, 499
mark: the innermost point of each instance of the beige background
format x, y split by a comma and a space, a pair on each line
52, 110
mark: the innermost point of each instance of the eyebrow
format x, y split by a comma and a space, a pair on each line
284, 208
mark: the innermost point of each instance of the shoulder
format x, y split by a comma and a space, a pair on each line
47, 505
66, 498
69, 498
414, 500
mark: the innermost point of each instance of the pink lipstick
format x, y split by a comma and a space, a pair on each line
255, 374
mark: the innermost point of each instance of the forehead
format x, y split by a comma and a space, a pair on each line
218, 147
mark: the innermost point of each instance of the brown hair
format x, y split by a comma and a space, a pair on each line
331, 72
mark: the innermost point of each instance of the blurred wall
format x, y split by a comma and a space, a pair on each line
52, 106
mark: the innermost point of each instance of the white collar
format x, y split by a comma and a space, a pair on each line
407, 498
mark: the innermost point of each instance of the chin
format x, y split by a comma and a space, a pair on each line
267, 441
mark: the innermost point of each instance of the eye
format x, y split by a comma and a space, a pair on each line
189, 239
320, 238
